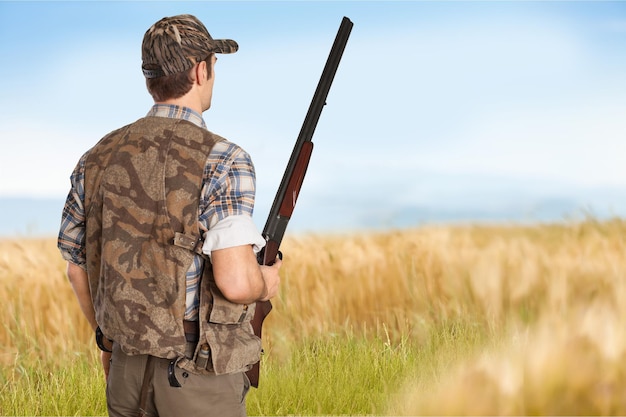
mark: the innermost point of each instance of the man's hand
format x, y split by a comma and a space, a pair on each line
80, 284
271, 278
105, 357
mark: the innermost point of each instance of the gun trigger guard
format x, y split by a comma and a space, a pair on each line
280, 255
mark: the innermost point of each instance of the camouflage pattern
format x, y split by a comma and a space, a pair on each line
142, 188
228, 330
175, 44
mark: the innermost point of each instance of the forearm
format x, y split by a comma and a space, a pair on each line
80, 284
238, 275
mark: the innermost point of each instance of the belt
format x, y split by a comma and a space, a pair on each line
192, 330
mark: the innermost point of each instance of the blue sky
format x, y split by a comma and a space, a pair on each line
439, 110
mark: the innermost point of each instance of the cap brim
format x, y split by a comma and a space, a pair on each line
224, 46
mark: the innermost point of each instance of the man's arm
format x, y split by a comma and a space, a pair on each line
241, 279
80, 284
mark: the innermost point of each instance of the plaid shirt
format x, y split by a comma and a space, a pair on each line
228, 189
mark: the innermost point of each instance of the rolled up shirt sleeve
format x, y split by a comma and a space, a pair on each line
233, 231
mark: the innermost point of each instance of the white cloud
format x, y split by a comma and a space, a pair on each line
37, 161
579, 144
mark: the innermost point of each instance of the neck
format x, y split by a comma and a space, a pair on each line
188, 100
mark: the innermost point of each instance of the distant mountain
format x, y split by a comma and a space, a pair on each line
360, 217
32, 217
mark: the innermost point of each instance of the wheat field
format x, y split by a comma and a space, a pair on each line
529, 318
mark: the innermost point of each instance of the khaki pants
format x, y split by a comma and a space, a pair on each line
199, 395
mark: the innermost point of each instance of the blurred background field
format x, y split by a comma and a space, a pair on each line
437, 320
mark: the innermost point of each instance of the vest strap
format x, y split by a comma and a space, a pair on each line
189, 242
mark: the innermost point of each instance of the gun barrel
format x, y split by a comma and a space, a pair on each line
279, 217
328, 75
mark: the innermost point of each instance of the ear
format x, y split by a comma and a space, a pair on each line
201, 73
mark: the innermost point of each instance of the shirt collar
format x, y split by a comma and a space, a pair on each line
177, 112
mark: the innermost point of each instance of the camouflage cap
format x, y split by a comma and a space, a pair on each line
175, 44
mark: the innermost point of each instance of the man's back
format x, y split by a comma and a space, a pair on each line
143, 212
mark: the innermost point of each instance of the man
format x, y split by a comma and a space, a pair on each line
161, 248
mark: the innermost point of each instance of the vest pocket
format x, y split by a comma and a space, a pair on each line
228, 331
225, 312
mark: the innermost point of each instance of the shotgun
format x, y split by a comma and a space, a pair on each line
285, 200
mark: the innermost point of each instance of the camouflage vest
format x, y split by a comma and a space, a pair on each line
142, 189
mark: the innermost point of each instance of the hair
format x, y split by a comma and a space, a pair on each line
175, 85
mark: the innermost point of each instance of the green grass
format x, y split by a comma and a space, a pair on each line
331, 376
73, 386
334, 374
